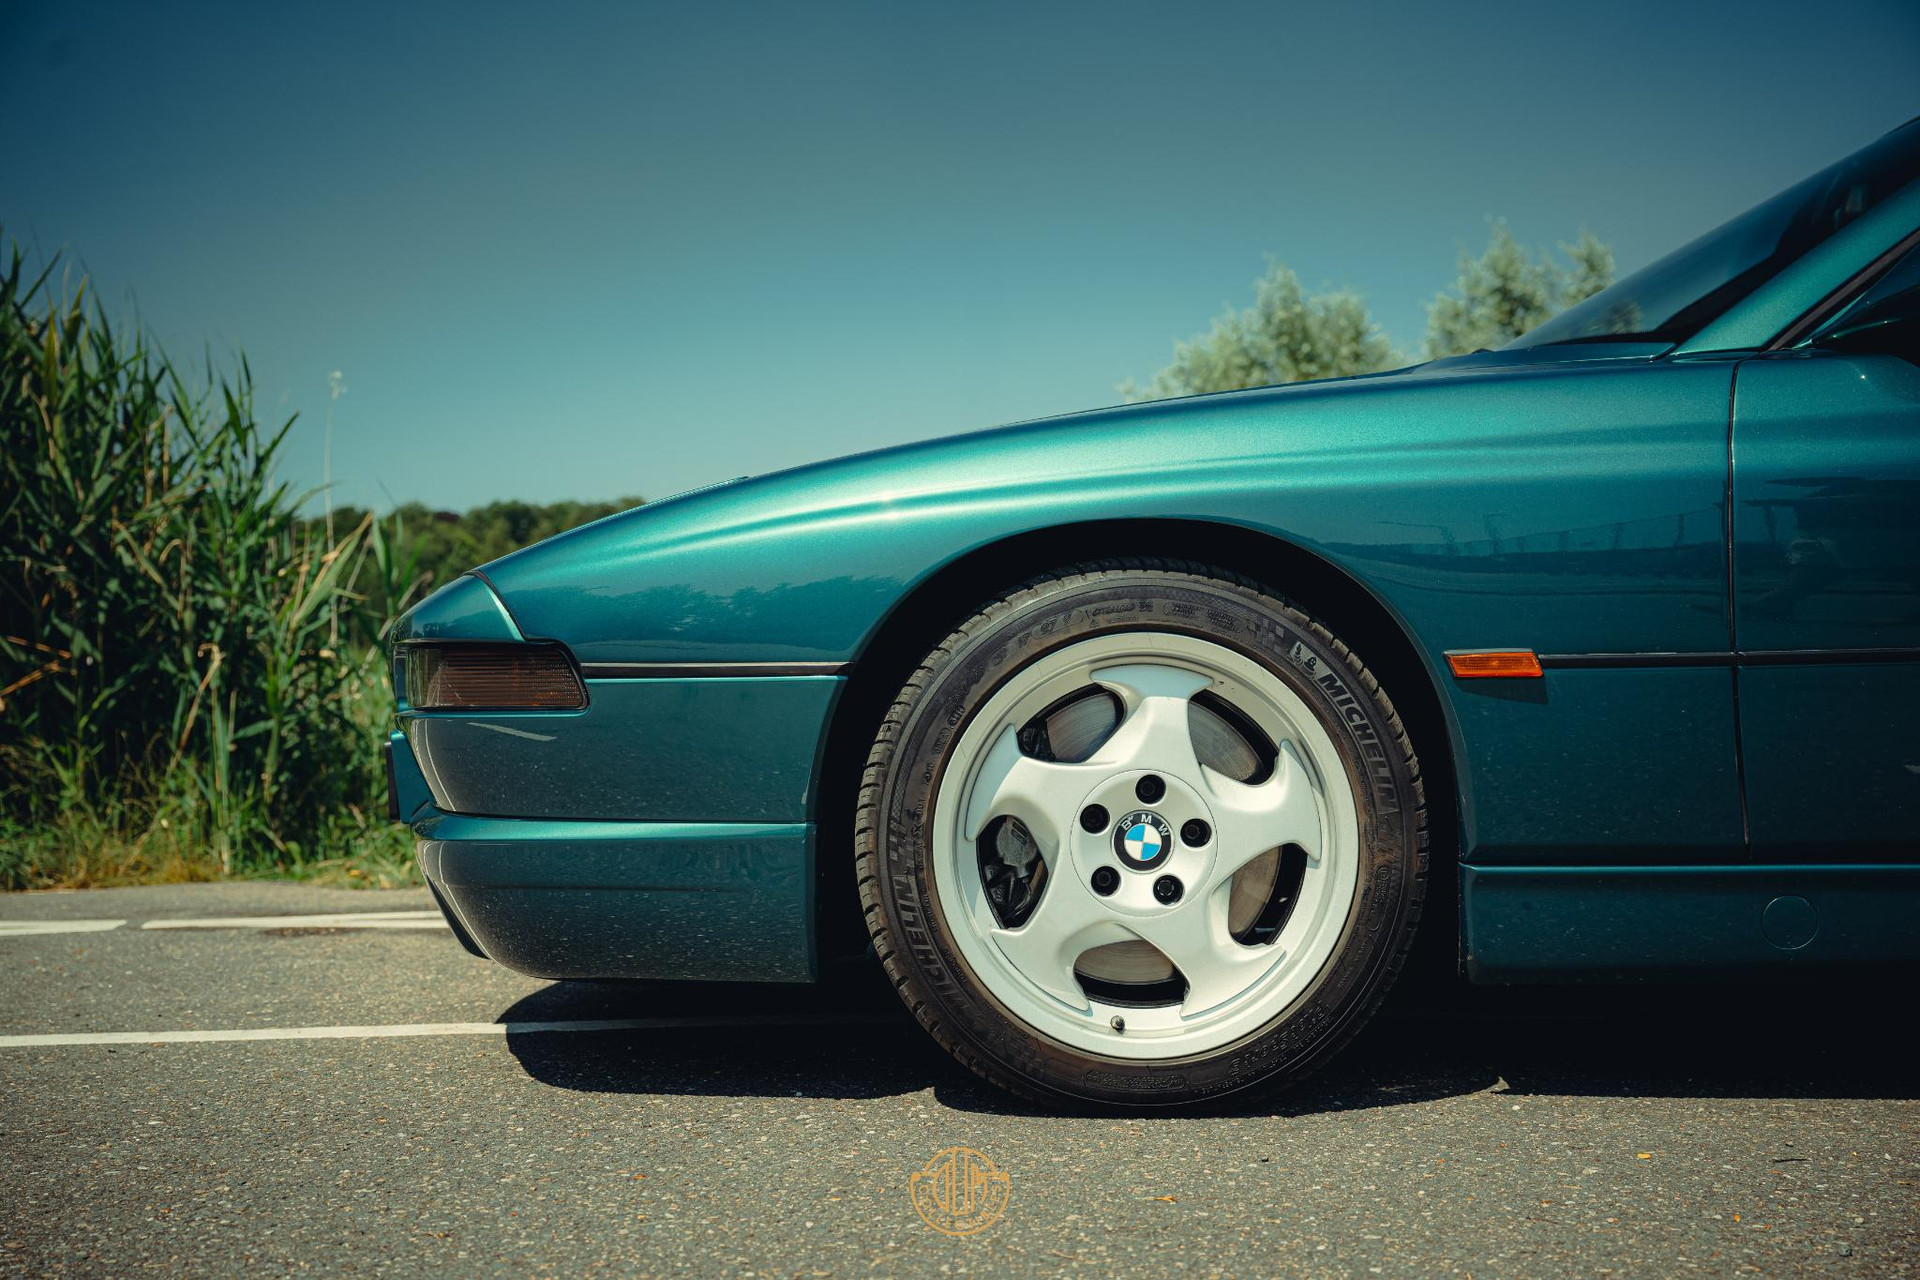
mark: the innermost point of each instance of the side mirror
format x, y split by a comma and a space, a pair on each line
1889, 327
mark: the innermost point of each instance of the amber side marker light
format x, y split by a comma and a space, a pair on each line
492, 677
1484, 664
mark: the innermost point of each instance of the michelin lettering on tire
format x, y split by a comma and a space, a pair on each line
1018, 747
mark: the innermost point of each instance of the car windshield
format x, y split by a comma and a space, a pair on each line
1678, 295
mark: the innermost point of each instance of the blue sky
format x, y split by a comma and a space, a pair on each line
588, 250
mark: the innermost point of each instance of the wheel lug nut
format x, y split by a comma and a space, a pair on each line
1166, 890
1195, 832
1150, 788
1094, 818
1105, 880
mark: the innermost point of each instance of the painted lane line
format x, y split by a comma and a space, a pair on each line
340, 920
416, 1029
25, 928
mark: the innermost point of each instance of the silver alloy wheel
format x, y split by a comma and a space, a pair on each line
1232, 988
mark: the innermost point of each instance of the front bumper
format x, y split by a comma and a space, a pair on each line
710, 901
663, 830
607, 874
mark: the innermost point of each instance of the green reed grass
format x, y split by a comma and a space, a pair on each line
190, 677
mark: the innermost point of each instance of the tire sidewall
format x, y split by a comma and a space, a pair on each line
1052, 614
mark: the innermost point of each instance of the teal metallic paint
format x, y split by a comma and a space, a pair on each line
464, 609
1574, 500
1604, 765
707, 871
1580, 502
706, 900
1604, 924
1833, 761
1827, 557
1827, 475
706, 750
412, 796
1572, 506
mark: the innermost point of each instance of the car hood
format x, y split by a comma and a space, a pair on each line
1147, 438
859, 530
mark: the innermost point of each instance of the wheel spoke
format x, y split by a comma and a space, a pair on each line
1041, 793
1156, 732
1249, 820
1195, 938
1068, 921
1177, 722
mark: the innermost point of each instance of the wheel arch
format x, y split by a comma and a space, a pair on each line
933, 607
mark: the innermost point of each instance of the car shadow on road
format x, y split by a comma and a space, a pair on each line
850, 1038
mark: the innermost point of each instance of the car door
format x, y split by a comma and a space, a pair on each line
1826, 583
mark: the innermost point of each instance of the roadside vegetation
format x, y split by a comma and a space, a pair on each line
191, 679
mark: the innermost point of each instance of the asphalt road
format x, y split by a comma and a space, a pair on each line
1466, 1133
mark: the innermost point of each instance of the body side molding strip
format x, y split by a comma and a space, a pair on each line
707, 670
1753, 658
1563, 661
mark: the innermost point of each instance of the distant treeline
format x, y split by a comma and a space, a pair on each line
438, 545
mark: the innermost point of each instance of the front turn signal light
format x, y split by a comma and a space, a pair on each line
1483, 664
492, 677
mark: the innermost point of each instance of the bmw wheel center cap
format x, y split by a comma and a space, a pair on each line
1142, 839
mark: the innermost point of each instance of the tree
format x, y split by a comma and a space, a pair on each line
1507, 290
1290, 335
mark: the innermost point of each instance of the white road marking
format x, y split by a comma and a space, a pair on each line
412, 1029
22, 928
342, 920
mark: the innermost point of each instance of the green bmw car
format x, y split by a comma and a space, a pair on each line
1138, 745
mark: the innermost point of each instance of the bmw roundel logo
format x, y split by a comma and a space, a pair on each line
1142, 839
